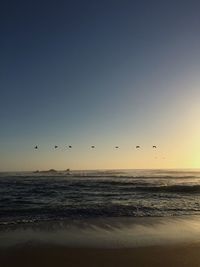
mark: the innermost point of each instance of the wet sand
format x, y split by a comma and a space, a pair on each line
57, 256
113, 242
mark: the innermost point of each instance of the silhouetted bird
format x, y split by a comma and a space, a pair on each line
70, 146
55, 146
154, 146
36, 147
116, 147
92, 146
137, 146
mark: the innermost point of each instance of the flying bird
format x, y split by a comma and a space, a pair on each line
70, 146
36, 147
137, 146
154, 146
55, 147
92, 146
117, 147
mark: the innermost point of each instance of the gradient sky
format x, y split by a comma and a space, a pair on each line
101, 73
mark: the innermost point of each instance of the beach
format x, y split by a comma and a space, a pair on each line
100, 133
131, 218
37, 255
109, 242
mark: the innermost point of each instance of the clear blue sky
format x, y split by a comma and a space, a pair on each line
99, 72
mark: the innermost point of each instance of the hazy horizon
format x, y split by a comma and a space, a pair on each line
104, 170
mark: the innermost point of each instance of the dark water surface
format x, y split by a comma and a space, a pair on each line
33, 197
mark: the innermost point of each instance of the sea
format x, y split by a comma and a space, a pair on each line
57, 196
103, 209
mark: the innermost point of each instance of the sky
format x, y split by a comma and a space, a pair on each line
104, 73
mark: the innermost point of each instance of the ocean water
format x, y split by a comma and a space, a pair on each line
46, 197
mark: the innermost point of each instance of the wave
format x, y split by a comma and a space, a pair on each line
114, 211
170, 188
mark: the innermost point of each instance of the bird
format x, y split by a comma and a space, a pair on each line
116, 147
36, 147
137, 146
55, 147
154, 146
70, 146
92, 146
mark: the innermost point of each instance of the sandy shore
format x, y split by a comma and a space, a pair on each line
57, 256
113, 242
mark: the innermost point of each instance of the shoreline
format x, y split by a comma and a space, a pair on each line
113, 232
111, 242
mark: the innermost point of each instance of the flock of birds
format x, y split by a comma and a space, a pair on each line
116, 147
